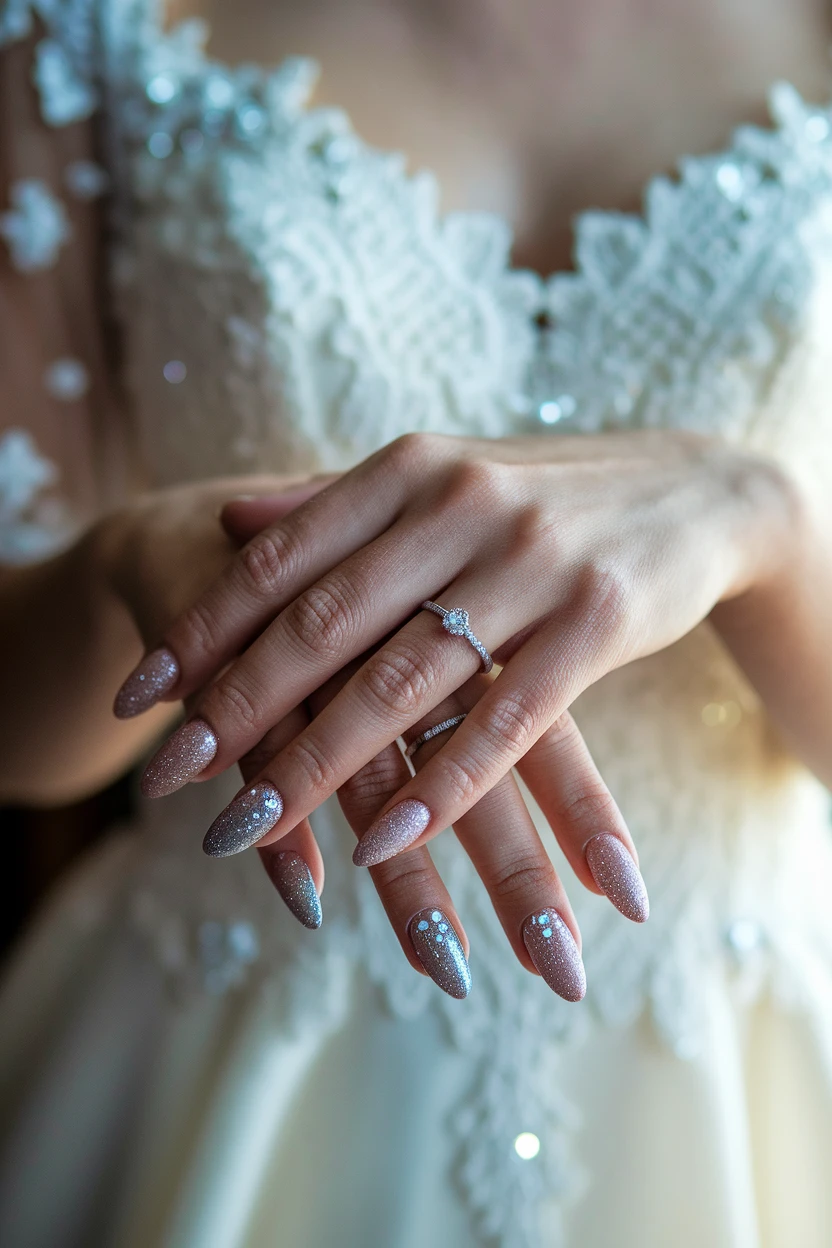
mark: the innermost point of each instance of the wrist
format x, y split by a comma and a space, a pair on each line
770, 520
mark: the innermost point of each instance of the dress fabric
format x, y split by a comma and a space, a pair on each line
181, 1064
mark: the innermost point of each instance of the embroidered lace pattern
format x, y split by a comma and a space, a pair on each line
294, 297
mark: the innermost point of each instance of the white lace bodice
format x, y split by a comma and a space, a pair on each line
291, 299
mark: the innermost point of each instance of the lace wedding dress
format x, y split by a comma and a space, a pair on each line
183, 1065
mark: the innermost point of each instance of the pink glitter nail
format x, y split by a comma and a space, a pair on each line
180, 760
617, 875
393, 832
155, 676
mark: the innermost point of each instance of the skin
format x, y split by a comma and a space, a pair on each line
605, 550
470, 93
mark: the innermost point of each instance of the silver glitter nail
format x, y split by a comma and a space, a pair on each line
617, 875
180, 760
556, 956
439, 950
250, 816
393, 832
293, 880
155, 676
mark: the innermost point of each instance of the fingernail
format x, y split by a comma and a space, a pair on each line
250, 816
293, 880
155, 676
617, 875
552, 948
439, 950
183, 756
392, 833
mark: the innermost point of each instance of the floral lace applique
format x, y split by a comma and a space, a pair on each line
67, 61
36, 227
31, 527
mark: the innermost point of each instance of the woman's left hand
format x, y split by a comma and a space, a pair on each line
572, 556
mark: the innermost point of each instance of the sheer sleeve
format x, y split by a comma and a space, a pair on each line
59, 454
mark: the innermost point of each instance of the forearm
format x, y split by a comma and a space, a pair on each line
66, 642
780, 633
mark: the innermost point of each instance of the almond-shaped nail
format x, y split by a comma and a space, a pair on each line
440, 951
293, 880
393, 832
181, 759
617, 875
556, 956
249, 816
155, 676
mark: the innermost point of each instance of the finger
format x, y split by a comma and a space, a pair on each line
268, 574
504, 846
244, 517
566, 784
409, 887
326, 627
404, 679
295, 866
534, 689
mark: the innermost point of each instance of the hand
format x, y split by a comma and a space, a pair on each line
409, 885
159, 553
572, 555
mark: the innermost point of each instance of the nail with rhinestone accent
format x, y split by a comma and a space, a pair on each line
551, 946
293, 880
181, 759
440, 951
617, 875
147, 684
249, 817
400, 827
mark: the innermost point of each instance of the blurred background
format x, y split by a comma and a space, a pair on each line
40, 845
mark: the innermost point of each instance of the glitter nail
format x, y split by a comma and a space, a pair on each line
155, 676
393, 832
552, 948
617, 875
439, 950
181, 759
293, 880
249, 817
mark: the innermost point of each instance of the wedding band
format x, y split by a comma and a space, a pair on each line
433, 732
455, 622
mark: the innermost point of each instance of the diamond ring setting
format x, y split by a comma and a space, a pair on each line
456, 622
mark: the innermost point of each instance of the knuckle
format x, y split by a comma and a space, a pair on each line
371, 786
200, 631
478, 479
401, 881
463, 780
305, 755
592, 807
399, 680
323, 618
607, 599
230, 702
535, 532
411, 450
266, 562
524, 876
510, 726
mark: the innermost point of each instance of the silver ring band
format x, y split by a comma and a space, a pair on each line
455, 622
433, 732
